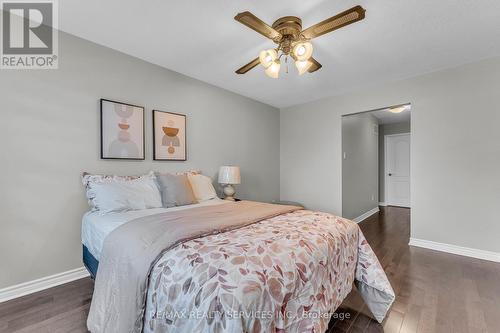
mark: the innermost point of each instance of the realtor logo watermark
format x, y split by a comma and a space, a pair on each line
29, 34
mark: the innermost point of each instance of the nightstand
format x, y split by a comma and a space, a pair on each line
290, 203
235, 199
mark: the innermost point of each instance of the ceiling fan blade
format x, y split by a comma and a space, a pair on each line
255, 23
315, 65
248, 66
350, 16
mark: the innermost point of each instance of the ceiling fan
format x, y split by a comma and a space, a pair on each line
292, 41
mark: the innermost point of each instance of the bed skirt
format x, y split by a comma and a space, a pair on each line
90, 262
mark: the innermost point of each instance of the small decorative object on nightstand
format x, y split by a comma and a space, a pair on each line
229, 176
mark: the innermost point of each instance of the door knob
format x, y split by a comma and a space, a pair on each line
390, 174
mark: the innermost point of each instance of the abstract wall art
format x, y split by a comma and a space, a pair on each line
122, 131
169, 136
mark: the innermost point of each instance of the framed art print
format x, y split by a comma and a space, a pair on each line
122, 131
169, 136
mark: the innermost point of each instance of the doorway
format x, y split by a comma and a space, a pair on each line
375, 160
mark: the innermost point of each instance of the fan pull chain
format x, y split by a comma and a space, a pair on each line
286, 64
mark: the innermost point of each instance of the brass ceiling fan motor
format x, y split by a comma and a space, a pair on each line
289, 27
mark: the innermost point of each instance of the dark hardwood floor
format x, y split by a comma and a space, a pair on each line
436, 292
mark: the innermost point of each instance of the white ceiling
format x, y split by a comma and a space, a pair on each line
398, 39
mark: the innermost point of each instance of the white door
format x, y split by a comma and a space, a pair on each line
397, 170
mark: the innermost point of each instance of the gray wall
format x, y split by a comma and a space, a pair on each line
455, 151
359, 164
50, 134
387, 129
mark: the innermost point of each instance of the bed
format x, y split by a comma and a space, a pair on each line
240, 267
96, 226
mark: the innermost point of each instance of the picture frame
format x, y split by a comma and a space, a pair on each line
169, 136
122, 131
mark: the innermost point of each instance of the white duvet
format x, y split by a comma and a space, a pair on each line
96, 225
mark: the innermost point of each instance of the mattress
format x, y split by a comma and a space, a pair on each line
96, 226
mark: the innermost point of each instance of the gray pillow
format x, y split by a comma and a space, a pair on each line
175, 190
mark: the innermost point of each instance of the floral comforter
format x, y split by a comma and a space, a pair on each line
285, 274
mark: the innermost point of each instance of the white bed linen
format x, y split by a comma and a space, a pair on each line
96, 226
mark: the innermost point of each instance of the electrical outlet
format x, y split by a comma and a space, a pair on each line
373, 197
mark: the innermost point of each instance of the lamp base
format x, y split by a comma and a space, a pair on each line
229, 192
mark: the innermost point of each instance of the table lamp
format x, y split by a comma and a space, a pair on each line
229, 176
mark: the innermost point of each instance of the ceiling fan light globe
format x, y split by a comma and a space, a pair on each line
303, 51
273, 71
267, 57
303, 66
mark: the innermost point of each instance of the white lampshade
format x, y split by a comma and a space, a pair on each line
229, 175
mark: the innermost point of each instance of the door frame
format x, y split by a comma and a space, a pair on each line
386, 188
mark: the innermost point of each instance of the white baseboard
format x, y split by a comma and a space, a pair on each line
455, 249
30, 287
383, 204
366, 215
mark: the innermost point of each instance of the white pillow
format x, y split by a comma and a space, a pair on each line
202, 187
117, 196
